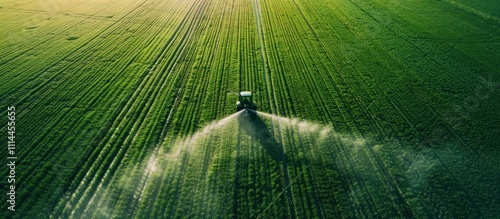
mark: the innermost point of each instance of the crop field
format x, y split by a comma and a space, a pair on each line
366, 109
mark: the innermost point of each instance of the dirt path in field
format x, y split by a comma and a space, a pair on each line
260, 31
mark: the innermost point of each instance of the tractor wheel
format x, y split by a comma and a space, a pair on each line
254, 106
239, 107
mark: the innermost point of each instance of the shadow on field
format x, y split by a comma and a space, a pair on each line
253, 125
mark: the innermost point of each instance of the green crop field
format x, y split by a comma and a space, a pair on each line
366, 109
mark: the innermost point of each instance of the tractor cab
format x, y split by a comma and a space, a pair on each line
245, 101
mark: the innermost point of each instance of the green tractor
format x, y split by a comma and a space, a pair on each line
245, 101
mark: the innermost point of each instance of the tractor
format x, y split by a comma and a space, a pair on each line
245, 101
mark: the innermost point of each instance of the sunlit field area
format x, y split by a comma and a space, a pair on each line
365, 109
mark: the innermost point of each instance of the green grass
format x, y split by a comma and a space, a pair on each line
488, 9
396, 103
